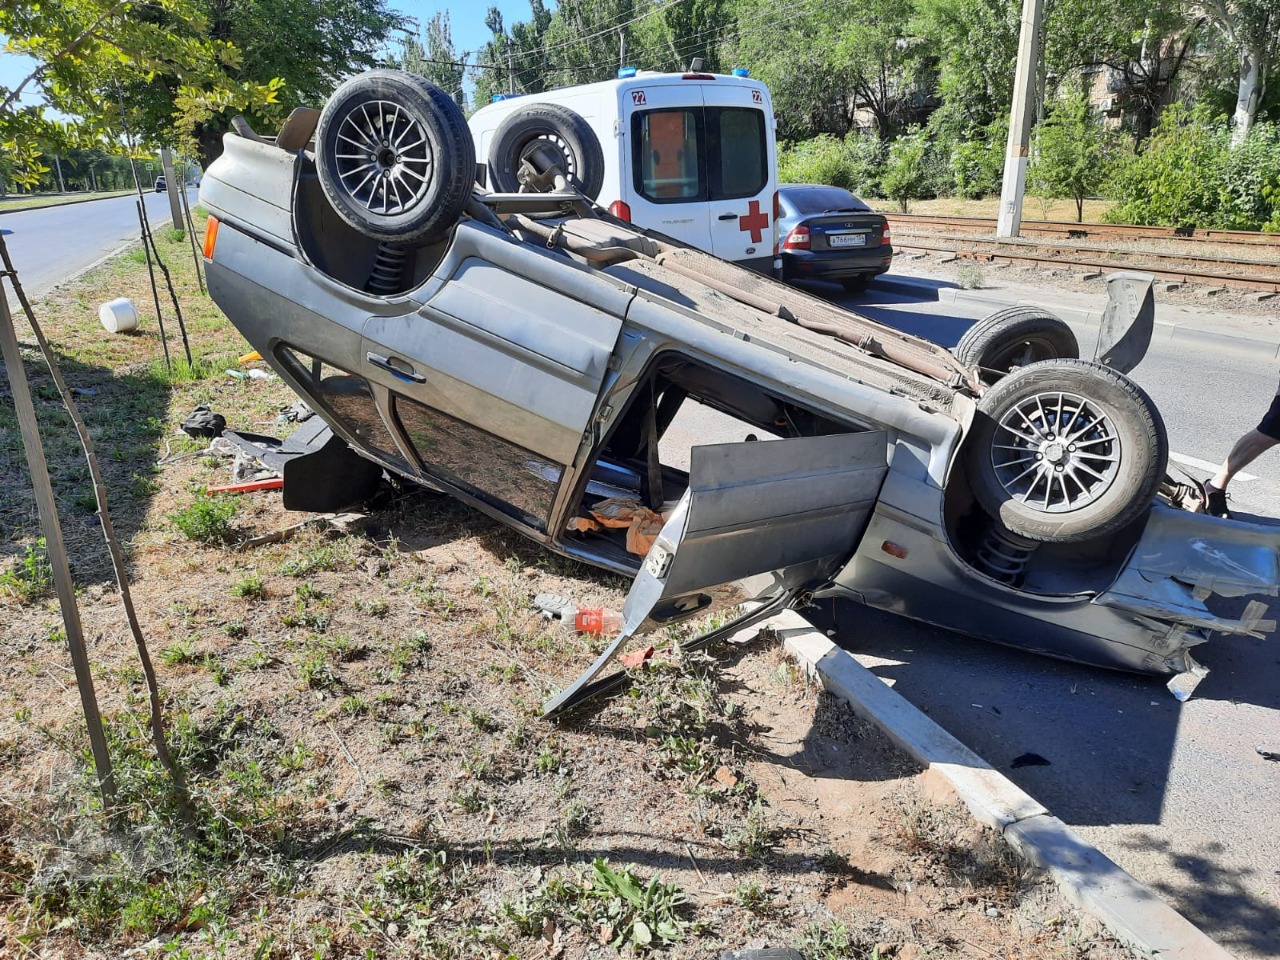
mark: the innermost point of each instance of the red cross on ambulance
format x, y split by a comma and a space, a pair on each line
756, 220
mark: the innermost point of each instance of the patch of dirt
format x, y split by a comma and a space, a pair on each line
356, 711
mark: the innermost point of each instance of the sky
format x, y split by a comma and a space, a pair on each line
466, 21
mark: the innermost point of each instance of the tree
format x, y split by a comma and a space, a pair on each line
85, 50
975, 45
515, 62
1071, 155
825, 61
905, 174
302, 47
438, 60
671, 35
1252, 28
582, 39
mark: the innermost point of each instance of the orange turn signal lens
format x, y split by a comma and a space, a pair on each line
210, 237
894, 549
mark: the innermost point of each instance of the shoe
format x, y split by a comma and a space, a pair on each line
1215, 503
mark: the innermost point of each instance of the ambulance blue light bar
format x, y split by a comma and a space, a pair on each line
625, 73
741, 72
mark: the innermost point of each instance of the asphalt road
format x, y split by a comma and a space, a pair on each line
1176, 793
51, 244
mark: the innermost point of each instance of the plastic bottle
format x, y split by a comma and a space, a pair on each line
597, 620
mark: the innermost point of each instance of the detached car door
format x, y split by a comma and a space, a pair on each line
493, 381
766, 521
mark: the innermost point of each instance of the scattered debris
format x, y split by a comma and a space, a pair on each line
118, 316
203, 422
1268, 754
250, 486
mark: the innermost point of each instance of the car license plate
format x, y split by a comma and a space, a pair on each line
847, 239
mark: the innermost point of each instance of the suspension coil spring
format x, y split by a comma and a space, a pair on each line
388, 269
1004, 555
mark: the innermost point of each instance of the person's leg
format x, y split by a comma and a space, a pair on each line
1247, 449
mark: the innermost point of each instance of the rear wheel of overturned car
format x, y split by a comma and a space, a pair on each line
1015, 337
528, 132
395, 157
1063, 451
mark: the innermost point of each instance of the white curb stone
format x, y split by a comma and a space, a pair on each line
1096, 884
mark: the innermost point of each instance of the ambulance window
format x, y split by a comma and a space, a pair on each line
736, 155
667, 153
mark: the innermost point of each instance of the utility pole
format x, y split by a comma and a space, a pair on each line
57, 162
171, 181
1009, 223
511, 70
622, 49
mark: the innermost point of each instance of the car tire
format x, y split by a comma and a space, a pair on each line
1015, 337
395, 157
856, 284
563, 129
1063, 451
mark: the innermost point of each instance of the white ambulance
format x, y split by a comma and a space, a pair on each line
691, 155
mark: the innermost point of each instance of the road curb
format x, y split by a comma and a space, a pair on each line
65, 203
1086, 877
1181, 332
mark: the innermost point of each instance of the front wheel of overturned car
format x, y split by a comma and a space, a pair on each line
395, 157
1063, 451
570, 144
1015, 337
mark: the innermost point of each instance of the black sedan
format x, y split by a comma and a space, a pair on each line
829, 234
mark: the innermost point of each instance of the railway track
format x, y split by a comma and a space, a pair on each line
1253, 265
1071, 230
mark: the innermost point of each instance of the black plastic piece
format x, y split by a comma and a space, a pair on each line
321, 472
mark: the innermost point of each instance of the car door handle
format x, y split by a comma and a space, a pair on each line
727, 216
407, 375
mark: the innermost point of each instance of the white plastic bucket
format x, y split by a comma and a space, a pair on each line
118, 316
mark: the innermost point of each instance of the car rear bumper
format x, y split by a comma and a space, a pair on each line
835, 264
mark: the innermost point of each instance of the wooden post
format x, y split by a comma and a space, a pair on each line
52, 528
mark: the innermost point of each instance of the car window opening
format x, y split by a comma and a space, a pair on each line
699, 154
643, 467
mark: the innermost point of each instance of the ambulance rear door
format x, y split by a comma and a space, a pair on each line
741, 170
665, 183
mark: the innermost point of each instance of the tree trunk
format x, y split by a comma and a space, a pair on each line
209, 138
1247, 94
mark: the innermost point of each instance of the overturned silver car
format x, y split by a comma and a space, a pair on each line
535, 357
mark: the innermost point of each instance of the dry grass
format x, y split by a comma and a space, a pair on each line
1033, 208
356, 711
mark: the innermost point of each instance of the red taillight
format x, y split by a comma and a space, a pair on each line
210, 237
885, 234
620, 210
777, 215
797, 239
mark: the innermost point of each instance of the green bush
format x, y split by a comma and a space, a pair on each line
1188, 174
853, 163
906, 172
1247, 197
208, 519
1174, 180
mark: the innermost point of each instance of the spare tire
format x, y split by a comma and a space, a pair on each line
395, 157
1015, 337
535, 124
1066, 450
